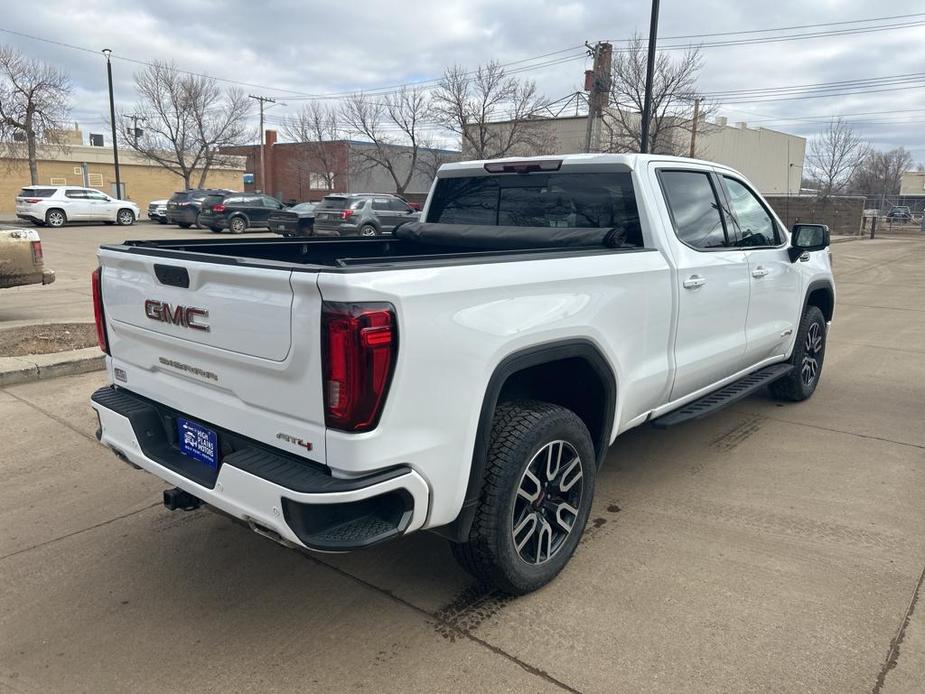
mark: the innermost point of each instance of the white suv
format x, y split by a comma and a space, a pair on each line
58, 205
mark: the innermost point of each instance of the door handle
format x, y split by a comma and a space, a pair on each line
760, 271
694, 281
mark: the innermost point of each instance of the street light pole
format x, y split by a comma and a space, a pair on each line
650, 72
112, 118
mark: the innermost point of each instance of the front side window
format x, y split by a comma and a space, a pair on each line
272, 203
756, 226
381, 204
694, 208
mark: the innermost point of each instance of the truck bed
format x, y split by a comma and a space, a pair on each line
342, 254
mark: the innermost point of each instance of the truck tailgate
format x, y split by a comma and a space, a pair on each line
216, 341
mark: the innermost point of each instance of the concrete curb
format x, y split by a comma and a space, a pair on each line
38, 367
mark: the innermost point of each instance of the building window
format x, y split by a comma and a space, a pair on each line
77, 171
95, 179
57, 181
317, 181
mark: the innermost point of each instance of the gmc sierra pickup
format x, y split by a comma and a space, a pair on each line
467, 374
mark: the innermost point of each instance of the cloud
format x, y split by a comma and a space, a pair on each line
288, 46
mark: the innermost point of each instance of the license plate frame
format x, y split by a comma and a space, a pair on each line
197, 442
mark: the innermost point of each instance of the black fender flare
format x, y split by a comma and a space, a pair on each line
816, 285
458, 530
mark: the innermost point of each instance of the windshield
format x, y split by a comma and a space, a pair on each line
303, 207
585, 200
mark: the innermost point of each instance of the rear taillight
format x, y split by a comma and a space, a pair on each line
96, 282
37, 254
32, 201
359, 346
346, 214
218, 209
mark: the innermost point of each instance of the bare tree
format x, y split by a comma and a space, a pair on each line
674, 91
493, 114
34, 105
880, 173
433, 157
393, 127
833, 157
316, 127
188, 121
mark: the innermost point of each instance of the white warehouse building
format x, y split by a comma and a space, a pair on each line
770, 159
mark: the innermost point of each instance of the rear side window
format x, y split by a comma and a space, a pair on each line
357, 204
694, 208
586, 200
76, 194
37, 192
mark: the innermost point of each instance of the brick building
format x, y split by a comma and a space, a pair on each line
296, 170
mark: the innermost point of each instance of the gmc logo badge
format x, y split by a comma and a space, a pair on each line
184, 316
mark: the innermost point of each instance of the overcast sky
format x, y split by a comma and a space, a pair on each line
288, 49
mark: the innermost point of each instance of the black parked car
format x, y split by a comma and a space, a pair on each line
184, 206
298, 220
238, 212
900, 213
361, 214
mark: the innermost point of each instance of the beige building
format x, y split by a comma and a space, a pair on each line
143, 180
770, 159
913, 183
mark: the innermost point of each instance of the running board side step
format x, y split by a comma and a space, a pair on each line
726, 395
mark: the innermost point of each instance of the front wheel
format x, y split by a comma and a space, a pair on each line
125, 218
535, 500
807, 357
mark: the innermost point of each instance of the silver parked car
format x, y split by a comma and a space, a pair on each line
361, 214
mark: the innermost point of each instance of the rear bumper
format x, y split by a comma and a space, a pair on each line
268, 489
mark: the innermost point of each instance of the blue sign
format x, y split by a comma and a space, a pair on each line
248, 178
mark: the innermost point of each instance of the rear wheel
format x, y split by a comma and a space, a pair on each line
368, 230
125, 218
807, 357
535, 500
183, 225
237, 225
217, 230
55, 218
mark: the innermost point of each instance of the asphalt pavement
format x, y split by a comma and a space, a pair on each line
769, 547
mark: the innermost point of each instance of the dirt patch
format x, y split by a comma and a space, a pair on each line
45, 339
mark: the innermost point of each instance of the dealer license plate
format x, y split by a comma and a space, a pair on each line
197, 442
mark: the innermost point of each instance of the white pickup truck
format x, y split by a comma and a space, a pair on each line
468, 374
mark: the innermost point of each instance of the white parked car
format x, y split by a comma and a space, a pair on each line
55, 206
157, 211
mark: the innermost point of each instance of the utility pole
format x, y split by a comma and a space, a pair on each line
112, 118
135, 130
262, 100
650, 73
694, 130
597, 84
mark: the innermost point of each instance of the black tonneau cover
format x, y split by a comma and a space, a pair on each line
490, 238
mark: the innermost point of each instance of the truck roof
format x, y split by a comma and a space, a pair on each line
630, 161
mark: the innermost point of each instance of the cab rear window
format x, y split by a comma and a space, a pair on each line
585, 200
